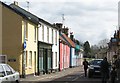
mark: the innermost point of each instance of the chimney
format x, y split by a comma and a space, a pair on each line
65, 30
71, 36
15, 3
59, 25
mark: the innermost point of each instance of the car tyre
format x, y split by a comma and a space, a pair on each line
17, 81
89, 75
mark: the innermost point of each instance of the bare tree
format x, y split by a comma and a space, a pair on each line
103, 43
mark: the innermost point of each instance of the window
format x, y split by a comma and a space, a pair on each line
48, 34
3, 58
26, 30
2, 72
56, 37
13, 71
56, 58
43, 32
8, 70
52, 35
30, 59
35, 34
25, 58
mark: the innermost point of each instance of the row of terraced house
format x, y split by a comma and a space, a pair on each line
113, 51
114, 47
32, 45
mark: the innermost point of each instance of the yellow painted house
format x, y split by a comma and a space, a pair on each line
15, 29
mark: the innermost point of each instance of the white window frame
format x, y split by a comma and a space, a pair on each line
43, 32
30, 59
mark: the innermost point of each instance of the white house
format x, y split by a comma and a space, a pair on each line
48, 47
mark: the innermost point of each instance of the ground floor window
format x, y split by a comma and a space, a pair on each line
56, 59
30, 58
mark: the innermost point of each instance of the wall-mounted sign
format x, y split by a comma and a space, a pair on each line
11, 60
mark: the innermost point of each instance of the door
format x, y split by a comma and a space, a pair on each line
45, 61
49, 59
41, 60
35, 63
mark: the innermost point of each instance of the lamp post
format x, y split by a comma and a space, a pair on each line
24, 51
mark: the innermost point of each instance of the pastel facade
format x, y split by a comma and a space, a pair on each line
64, 54
49, 53
72, 57
13, 37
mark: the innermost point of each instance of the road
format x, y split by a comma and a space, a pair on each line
76, 77
73, 77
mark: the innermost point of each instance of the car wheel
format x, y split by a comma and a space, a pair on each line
89, 75
17, 81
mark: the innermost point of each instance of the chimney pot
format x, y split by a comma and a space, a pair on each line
15, 3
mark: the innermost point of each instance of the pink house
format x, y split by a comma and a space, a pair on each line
64, 53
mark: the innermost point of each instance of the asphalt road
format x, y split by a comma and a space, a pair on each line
76, 77
68, 76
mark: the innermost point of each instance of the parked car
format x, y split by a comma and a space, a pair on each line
94, 67
8, 74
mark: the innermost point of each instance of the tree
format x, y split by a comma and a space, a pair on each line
87, 49
103, 48
94, 50
103, 43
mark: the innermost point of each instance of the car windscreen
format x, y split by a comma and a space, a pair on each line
2, 72
95, 62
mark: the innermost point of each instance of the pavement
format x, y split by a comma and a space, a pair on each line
51, 76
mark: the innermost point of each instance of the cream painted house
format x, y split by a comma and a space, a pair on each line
48, 46
18, 28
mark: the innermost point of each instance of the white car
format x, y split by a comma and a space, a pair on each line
8, 74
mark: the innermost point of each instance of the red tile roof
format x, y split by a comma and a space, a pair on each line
61, 38
68, 40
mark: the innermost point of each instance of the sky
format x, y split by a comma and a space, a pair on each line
89, 20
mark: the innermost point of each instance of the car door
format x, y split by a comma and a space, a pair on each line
9, 73
14, 75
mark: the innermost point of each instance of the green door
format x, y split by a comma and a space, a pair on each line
49, 58
45, 61
41, 60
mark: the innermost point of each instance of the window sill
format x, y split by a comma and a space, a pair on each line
30, 67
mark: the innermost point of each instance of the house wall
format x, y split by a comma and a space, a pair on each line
0, 29
67, 56
12, 37
61, 56
31, 47
72, 57
55, 47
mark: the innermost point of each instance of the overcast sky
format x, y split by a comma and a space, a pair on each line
89, 20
